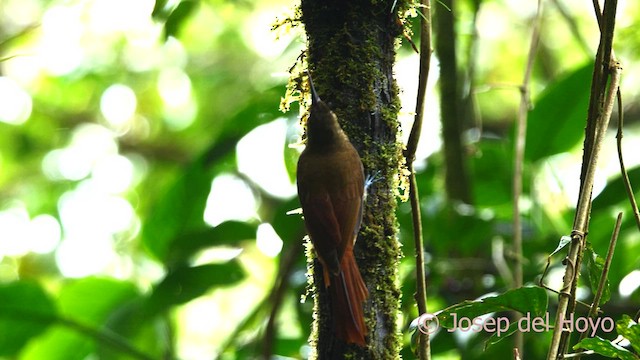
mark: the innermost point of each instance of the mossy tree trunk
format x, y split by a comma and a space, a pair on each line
351, 52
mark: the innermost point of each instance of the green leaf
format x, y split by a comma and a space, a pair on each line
615, 193
91, 300
25, 312
606, 348
187, 283
177, 17
226, 233
630, 330
556, 123
496, 337
526, 300
291, 154
88, 301
595, 267
493, 157
564, 241
180, 210
159, 9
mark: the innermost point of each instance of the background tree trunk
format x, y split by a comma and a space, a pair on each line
451, 105
351, 52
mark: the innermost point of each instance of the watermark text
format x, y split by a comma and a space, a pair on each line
429, 323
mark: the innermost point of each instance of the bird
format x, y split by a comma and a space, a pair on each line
331, 185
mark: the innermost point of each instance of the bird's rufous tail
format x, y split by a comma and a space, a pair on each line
348, 293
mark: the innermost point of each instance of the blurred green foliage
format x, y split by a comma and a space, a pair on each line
170, 283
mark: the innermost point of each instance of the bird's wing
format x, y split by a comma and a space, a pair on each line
347, 204
323, 227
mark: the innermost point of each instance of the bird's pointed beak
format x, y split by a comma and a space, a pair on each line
314, 94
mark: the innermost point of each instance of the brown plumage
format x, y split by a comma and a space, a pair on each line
330, 188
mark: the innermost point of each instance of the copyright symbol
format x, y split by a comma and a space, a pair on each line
428, 323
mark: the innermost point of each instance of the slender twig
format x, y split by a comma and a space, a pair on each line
424, 347
600, 109
24, 31
106, 337
623, 170
249, 320
577, 355
593, 310
277, 296
103, 336
587, 306
598, 11
573, 26
520, 143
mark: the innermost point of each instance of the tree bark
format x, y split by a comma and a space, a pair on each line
456, 174
351, 52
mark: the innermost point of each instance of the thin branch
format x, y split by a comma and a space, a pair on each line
586, 306
600, 109
605, 272
573, 26
425, 65
598, 11
24, 31
518, 164
106, 337
623, 170
103, 336
277, 296
424, 347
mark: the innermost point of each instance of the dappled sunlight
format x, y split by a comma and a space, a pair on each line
261, 158
14, 223
407, 78
88, 210
212, 317
21, 234
174, 87
270, 45
44, 234
230, 199
268, 241
85, 254
118, 104
147, 177
629, 283
60, 51
15, 103
114, 174
89, 143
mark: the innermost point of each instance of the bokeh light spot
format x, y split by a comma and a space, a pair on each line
14, 225
629, 284
44, 234
15, 103
113, 173
174, 87
84, 255
118, 104
268, 241
261, 158
230, 199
